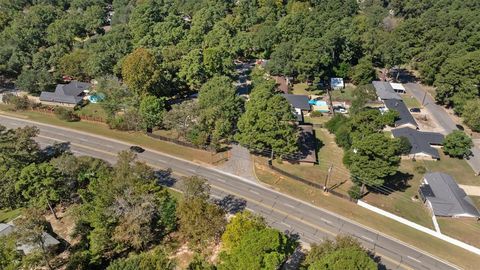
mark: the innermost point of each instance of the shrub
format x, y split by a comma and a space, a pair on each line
19, 103
66, 114
355, 192
335, 123
420, 169
197, 136
316, 114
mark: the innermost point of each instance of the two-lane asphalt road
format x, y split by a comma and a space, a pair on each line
311, 223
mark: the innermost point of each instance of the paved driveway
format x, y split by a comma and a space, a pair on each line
442, 118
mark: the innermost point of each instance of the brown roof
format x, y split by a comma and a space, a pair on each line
282, 84
306, 145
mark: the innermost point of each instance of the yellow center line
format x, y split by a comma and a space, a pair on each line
235, 194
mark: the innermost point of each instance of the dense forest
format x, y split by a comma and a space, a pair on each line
171, 47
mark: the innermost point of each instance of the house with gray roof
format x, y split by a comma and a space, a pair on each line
27, 248
393, 101
66, 94
445, 198
385, 90
423, 143
299, 105
405, 118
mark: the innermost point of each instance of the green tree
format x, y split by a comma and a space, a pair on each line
268, 122
152, 110
35, 81
192, 69
153, 260
343, 253
471, 114
363, 72
141, 72
63, 31
220, 107
373, 158
9, 256
40, 185
265, 248
345, 258
135, 213
200, 263
238, 227
200, 221
74, 64
457, 144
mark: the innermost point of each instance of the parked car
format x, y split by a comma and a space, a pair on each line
415, 110
340, 109
137, 149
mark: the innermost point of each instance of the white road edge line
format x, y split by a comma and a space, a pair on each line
413, 259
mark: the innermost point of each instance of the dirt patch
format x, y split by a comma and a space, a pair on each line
64, 225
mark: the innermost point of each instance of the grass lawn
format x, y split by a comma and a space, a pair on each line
317, 120
92, 110
7, 215
136, 138
401, 202
411, 101
463, 229
344, 94
456, 255
328, 154
457, 168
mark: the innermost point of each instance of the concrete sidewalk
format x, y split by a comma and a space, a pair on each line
471, 190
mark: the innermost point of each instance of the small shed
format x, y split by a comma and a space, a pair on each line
398, 88
337, 83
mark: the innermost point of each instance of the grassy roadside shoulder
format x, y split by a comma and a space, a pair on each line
101, 129
432, 245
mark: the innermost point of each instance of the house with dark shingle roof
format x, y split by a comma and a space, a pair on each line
66, 94
392, 101
405, 118
423, 143
445, 198
299, 104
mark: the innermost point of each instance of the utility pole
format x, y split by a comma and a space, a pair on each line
327, 178
423, 100
330, 100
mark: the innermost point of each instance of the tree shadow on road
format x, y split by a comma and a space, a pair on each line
231, 204
165, 178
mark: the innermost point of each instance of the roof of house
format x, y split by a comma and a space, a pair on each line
421, 141
446, 197
47, 239
306, 144
298, 101
6, 229
282, 83
66, 93
405, 117
385, 90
